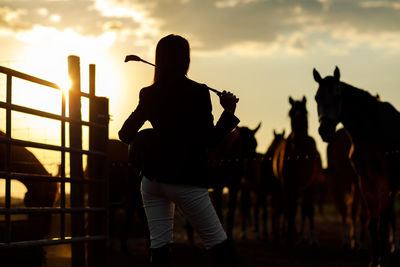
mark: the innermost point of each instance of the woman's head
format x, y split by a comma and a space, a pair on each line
172, 57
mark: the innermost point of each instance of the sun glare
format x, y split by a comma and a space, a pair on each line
47, 58
65, 85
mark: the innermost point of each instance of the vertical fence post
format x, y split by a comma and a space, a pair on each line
8, 158
76, 170
98, 169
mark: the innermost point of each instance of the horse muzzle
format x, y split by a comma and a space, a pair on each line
327, 129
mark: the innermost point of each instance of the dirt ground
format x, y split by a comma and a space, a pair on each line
251, 251
254, 252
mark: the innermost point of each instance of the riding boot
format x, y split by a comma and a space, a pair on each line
161, 257
223, 254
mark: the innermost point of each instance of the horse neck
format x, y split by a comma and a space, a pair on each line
271, 149
231, 147
358, 112
299, 127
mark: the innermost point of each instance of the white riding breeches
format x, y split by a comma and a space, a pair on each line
159, 201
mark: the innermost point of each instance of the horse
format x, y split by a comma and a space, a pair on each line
343, 181
297, 165
230, 165
39, 194
255, 198
374, 127
269, 185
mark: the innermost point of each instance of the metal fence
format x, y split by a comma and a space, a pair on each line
88, 209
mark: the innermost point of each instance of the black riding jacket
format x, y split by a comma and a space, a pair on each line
181, 116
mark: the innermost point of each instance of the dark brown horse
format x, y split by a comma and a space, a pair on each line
374, 127
39, 194
297, 165
343, 184
230, 166
269, 185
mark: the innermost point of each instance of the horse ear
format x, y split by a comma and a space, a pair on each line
304, 99
283, 133
291, 101
274, 133
336, 73
317, 77
258, 127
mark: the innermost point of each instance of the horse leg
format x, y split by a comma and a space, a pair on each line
290, 217
362, 209
392, 220
264, 217
346, 209
303, 226
126, 223
217, 197
346, 232
260, 205
245, 208
231, 211
257, 208
384, 236
358, 209
311, 213
343, 205
308, 212
276, 206
373, 230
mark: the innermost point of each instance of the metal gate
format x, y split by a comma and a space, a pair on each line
88, 207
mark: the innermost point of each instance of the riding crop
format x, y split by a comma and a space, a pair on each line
136, 58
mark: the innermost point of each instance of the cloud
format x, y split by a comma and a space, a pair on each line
129, 9
43, 11
25, 19
215, 26
10, 19
68, 41
233, 3
55, 18
381, 4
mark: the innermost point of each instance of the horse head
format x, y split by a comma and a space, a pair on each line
248, 142
298, 116
279, 136
329, 101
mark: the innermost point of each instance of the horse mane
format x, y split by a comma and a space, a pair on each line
272, 147
383, 118
362, 95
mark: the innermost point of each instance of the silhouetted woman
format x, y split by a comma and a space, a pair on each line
179, 110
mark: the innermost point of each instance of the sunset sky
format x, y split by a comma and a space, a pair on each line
263, 51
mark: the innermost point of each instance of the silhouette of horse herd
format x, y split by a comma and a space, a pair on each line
362, 175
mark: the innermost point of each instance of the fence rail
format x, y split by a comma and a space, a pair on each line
27, 77
46, 178
45, 210
97, 219
51, 242
47, 115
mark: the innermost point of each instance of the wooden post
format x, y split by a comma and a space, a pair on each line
92, 81
98, 169
8, 159
76, 170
